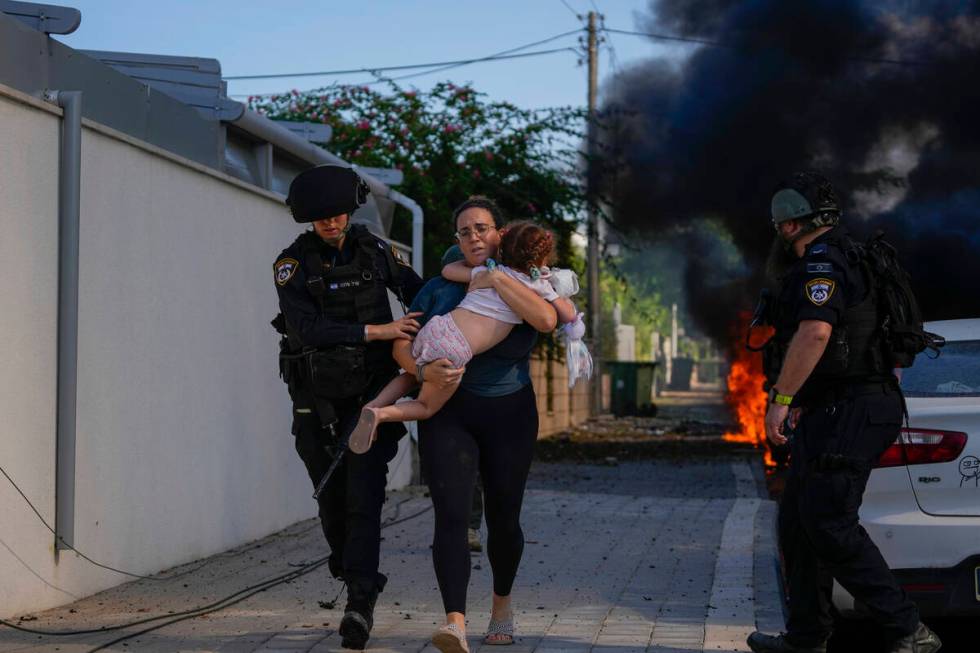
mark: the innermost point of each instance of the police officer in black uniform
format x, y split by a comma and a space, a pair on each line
834, 393
337, 328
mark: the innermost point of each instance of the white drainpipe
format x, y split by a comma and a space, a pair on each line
418, 220
69, 194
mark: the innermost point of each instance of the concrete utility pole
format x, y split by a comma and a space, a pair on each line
593, 224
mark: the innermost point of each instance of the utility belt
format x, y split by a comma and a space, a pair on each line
842, 390
829, 463
336, 372
325, 376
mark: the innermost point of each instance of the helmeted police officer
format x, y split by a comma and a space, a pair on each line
832, 388
337, 328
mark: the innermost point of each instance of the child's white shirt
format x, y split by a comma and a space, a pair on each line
487, 302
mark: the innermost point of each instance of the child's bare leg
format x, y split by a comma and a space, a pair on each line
431, 399
364, 432
397, 388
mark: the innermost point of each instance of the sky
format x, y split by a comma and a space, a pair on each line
300, 36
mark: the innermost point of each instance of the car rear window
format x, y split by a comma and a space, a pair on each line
955, 373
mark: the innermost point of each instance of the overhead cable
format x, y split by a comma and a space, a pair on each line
569, 7
494, 55
376, 69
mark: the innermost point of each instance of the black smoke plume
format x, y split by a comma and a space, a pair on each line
881, 96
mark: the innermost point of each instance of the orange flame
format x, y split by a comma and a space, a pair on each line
745, 396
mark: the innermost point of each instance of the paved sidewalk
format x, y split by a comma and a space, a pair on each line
646, 556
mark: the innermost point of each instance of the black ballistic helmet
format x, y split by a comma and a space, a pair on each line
806, 196
324, 192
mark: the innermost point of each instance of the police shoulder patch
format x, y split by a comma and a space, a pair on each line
820, 290
398, 255
285, 268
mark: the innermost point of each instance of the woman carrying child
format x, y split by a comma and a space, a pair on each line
490, 421
481, 321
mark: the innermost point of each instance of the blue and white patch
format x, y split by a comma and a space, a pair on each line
285, 269
819, 248
819, 268
818, 291
343, 285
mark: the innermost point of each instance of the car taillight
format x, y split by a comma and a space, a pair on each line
922, 446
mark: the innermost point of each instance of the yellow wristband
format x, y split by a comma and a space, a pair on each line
782, 400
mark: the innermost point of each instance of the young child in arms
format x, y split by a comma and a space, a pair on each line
480, 321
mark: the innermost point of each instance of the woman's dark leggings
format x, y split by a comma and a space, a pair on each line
495, 435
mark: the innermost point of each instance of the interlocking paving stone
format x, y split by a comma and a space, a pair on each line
648, 556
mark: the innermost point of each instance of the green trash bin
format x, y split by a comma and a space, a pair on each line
631, 388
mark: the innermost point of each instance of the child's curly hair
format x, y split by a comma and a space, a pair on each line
525, 244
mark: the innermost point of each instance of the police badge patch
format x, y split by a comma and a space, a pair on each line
818, 291
285, 268
398, 256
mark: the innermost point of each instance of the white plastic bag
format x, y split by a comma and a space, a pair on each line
577, 355
565, 282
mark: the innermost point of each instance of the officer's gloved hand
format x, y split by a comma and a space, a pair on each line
404, 328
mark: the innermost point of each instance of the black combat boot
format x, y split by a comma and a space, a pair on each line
762, 643
362, 594
922, 640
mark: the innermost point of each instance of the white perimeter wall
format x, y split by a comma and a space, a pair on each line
183, 443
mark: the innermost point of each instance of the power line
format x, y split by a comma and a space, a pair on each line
571, 9
221, 604
377, 69
492, 57
380, 79
79, 553
667, 37
613, 59
211, 607
495, 54
248, 592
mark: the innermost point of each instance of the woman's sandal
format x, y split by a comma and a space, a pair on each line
500, 633
449, 639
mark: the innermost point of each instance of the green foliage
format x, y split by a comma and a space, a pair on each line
452, 142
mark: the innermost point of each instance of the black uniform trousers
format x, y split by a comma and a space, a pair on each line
835, 445
350, 505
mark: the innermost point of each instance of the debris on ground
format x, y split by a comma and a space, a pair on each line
680, 430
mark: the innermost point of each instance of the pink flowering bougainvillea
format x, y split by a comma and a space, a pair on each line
452, 142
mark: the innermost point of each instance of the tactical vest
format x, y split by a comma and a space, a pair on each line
355, 292
854, 351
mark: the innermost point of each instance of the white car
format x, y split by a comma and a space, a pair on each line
922, 503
